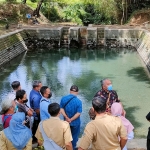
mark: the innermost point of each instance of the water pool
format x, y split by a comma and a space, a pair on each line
59, 69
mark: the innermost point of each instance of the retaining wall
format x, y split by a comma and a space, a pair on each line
13, 44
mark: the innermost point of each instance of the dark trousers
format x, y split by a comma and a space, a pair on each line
75, 130
34, 128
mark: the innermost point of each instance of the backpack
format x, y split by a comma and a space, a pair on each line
48, 144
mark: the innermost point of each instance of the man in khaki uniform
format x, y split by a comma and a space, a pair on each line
106, 132
55, 129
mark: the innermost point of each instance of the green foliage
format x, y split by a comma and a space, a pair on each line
50, 12
74, 13
39, 148
33, 1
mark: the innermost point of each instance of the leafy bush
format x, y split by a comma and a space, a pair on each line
74, 13
50, 12
33, 1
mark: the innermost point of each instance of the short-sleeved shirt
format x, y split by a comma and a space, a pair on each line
105, 94
35, 98
56, 129
73, 107
5, 144
44, 103
103, 133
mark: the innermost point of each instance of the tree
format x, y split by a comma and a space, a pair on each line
37, 10
24, 1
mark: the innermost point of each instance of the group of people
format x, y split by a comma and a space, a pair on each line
24, 125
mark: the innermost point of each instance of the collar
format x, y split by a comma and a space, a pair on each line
20, 103
35, 91
47, 99
105, 91
101, 116
73, 95
55, 118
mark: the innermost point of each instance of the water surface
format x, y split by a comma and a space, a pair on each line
59, 69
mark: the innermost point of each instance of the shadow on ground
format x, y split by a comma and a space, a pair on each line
139, 74
130, 111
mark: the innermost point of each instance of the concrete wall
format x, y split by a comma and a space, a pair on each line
143, 47
13, 44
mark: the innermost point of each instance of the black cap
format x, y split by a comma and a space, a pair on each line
74, 88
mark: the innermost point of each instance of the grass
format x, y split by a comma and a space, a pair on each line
29, 3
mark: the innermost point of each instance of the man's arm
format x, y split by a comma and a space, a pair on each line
80, 148
68, 137
122, 134
75, 116
87, 137
36, 104
37, 111
79, 110
30, 113
65, 115
123, 142
69, 146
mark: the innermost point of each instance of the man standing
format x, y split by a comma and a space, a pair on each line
46, 95
107, 92
35, 98
53, 131
15, 86
105, 132
109, 95
21, 98
71, 108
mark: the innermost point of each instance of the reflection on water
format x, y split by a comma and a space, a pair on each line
85, 68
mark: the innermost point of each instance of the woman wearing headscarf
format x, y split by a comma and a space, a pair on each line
17, 136
116, 110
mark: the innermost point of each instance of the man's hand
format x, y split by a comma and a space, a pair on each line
80, 148
30, 112
68, 120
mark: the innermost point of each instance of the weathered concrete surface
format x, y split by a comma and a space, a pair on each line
137, 144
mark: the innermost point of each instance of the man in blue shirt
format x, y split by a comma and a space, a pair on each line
35, 98
71, 108
46, 95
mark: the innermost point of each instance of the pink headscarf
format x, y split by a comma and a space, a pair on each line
116, 110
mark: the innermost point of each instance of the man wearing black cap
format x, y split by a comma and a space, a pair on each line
71, 108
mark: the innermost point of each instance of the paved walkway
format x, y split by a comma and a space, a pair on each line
135, 144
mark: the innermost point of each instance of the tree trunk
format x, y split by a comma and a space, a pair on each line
123, 12
37, 10
24, 1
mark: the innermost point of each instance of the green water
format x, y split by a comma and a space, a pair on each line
59, 69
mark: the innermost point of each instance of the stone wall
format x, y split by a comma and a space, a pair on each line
143, 47
11, 45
